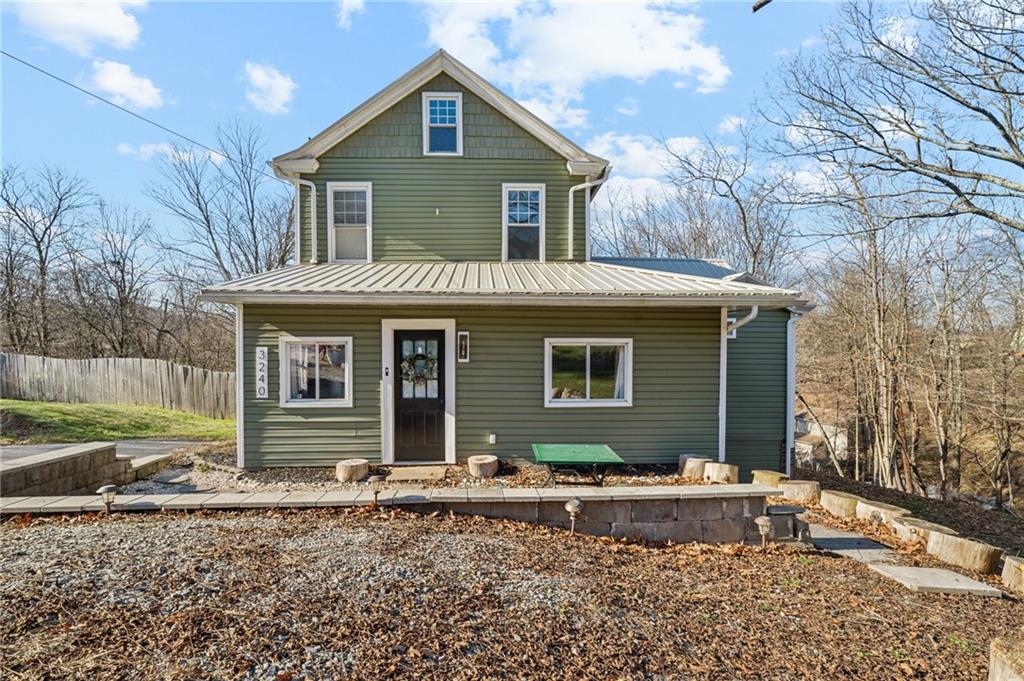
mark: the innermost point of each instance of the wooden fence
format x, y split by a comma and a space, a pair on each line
119, 380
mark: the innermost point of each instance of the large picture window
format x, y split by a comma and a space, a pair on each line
316, 372
522, 218
588, 372
442, 123
350, 221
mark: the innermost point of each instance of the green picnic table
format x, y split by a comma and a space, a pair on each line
596, 458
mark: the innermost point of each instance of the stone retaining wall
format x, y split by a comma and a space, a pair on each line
79, 469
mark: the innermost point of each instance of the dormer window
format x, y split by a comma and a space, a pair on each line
442, 124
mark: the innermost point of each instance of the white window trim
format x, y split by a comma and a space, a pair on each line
559, 404
282, 370
425, 114
506, 187
349, 186
729, 321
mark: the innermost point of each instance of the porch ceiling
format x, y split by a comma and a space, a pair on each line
490, 283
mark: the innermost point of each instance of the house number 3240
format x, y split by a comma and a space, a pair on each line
262, 392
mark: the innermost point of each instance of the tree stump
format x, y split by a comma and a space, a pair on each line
839, 504
807, 491
721, 472
483, 465
915, 530
966, 553
879, 512
692, 466
1013, 573
352, 470
770, 478
1006, 659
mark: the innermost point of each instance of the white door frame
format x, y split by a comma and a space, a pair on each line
387, 379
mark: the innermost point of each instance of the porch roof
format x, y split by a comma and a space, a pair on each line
491, 283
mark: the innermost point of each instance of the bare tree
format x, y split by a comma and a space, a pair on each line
235, 217
927, 95
15, 286
45, 207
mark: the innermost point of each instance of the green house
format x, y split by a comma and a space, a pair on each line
444, 302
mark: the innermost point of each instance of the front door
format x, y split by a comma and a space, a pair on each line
419, 396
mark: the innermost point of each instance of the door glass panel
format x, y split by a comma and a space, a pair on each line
302, 372
568, 372
407, 374
332, 371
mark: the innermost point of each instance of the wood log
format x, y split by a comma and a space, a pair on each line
770, 478
483, 465
721, 472
840, 504
352, 470
966, 553
1013, 573
915, 530
692, 466
806, 491
879, 512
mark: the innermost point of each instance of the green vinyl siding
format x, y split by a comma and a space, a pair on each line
755, 419
500, 391
447, 208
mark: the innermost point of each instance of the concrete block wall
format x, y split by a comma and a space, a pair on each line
79, 469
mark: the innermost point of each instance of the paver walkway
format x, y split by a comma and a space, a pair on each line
936, 580
850, 545
125, 448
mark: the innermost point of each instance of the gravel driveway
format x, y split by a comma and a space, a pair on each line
318, 594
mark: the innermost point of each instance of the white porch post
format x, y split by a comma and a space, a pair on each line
239, 387
722, 368
790, 387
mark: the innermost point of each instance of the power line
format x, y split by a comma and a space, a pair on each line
136, 115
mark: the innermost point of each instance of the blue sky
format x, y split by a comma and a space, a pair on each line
610, 76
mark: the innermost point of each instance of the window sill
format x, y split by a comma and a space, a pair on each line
577, 404
442, 153
316, 404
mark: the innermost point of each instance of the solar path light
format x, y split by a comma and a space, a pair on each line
573, 507
376, 485
107, 494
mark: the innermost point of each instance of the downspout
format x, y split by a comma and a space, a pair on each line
298, 220
572, 190
312, 215
790, 387
751, 316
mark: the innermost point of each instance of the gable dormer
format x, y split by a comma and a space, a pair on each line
440, 165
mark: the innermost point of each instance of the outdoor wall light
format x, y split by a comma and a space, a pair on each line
107, 494
573, 506
764, 526
376, 485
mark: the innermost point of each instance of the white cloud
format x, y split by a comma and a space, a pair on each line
629, 107
348, 9
731, 124
147, 151
269, 90
810, 42
124, 87
81, 26
900, 33
550, 53
639, 156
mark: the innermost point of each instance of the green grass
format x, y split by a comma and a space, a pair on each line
43, 422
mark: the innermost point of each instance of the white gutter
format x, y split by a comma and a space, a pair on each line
293, 177
751, 316
298, 220
572, 190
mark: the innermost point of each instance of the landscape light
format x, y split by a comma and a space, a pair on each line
573, 506
107, 494
376, 485
764, 526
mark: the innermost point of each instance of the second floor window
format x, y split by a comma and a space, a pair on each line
442, 124
350, 221
522, 212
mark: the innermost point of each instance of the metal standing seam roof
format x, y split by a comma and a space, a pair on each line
697, 267
491, 283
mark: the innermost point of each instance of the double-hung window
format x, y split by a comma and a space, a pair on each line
316, 372
588, 372
350, 221
522, 222
442, 123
